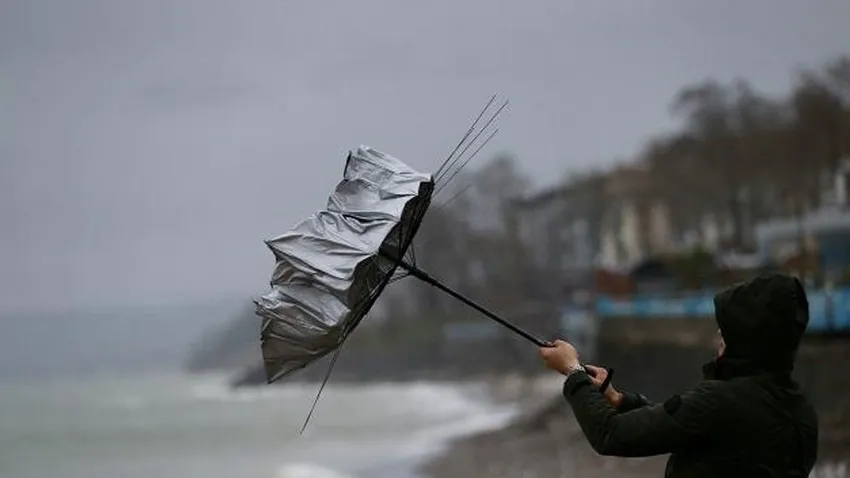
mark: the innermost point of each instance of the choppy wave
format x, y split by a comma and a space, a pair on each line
449, 412
831, 470
307, 470
133, 426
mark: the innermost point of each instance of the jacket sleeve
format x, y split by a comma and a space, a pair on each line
681, 423
632, 401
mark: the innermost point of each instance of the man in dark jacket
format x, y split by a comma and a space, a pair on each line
748, 418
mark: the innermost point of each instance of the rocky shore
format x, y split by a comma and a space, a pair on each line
545, 442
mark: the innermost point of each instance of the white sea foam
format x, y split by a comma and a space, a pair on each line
196, 426
307, 470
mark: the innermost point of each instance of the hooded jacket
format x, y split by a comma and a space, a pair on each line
746, 418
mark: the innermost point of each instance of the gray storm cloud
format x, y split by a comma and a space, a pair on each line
147, 148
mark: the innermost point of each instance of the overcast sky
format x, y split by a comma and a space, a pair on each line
147, 148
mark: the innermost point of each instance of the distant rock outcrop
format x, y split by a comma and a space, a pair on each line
233, 345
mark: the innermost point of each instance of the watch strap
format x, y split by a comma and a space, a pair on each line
575, 368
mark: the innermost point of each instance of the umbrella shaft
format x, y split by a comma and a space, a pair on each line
423, 276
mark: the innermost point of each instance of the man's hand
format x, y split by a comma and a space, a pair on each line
597, 377
560, 357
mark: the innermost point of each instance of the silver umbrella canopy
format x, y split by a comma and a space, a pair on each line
332, 267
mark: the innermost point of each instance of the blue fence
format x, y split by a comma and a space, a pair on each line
829, 311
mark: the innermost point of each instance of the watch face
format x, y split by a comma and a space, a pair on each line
576, 368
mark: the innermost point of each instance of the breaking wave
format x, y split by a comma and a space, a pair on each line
307, 470
202, 427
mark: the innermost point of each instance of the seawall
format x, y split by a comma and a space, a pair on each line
663, 356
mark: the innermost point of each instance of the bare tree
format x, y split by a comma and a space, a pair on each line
723, 137
740, 157
820, 116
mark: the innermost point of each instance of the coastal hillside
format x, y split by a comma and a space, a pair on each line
233, 344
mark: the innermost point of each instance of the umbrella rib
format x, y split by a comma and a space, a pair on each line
412, 253
437, 209
421, 275
456, 195
370, 296
409, 252
452, 160
399, 277
446, 183
421, 208
442, 172
466, 136
469, 144
321, 388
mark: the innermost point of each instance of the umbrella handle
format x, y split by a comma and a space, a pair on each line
605, 383
423, 276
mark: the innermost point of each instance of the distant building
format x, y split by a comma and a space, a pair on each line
823, 233
616, 222
626, 230
601, 220
561, 227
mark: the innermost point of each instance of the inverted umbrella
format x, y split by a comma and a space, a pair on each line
331, 267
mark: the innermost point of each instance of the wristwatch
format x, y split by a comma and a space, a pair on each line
571, 369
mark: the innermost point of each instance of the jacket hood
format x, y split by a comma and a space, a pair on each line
762, 322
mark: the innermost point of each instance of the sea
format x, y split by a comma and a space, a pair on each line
195, 426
